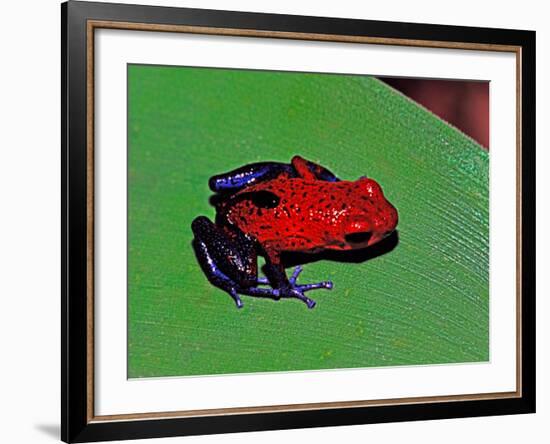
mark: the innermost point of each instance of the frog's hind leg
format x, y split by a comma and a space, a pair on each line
229, 263
214, 274
236, 180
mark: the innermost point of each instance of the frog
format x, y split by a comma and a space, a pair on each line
271, 208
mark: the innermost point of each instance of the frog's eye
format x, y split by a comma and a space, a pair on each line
263, 199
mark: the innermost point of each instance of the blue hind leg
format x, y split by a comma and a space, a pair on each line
215, 275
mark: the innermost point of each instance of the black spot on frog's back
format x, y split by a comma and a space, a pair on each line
261, 199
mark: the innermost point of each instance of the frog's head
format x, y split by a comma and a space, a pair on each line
371, 217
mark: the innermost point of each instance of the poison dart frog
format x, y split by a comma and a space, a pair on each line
268, 208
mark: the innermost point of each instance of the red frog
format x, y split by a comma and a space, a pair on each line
269, 208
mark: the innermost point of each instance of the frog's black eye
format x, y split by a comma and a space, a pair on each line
263, 199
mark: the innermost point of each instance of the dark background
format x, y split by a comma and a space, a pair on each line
462, 103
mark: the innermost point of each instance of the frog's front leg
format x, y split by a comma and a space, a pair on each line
283, 287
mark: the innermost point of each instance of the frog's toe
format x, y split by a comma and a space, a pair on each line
295, 274
298, 294
307, 287
238, 302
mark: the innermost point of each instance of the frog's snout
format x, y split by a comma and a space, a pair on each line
359, 234
391, 217
366, 232
384, 224
361, 238
377, 237
365, 238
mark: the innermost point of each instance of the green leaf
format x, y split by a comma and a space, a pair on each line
424, 302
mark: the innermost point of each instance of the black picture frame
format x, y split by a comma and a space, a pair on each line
77, 425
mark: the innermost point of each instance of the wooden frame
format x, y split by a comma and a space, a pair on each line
79, 21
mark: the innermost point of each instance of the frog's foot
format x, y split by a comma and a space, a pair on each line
297, 291
293, 290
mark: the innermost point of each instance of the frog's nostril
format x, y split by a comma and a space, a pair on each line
358, 238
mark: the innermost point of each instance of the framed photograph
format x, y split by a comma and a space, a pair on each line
276, 221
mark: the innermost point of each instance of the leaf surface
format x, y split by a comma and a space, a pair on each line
424, 302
